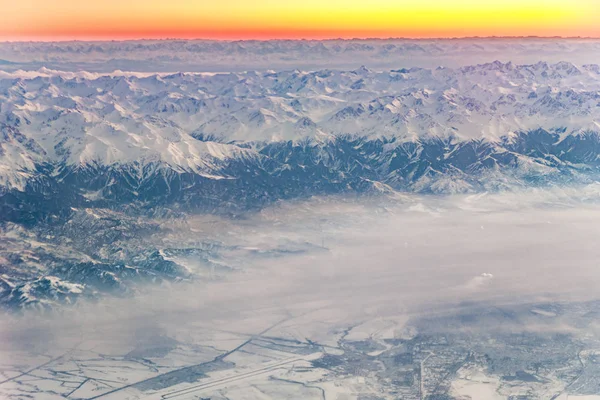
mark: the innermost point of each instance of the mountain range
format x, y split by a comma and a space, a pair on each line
83, 151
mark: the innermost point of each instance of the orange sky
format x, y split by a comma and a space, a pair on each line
265, 19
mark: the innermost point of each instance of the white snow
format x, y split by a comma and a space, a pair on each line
84, 118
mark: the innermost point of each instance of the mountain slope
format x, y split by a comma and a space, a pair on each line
232, 142
88, 162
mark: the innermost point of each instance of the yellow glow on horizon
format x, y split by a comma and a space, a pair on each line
243, 19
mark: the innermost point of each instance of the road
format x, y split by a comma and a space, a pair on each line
421, 386
216, 359
39, 366
233, 378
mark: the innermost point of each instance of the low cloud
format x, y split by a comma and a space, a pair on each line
480, 281
352, 261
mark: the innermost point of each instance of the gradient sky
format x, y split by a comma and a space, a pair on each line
265, 19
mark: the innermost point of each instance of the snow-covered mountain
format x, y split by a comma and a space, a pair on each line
117, 118
84, 157
61, 126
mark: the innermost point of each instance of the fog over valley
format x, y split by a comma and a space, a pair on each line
331, 272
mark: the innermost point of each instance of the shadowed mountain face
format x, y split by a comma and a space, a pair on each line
269, 172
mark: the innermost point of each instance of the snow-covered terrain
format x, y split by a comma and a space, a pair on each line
120, 117
428, 130
280, 221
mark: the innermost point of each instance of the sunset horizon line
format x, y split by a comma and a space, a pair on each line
299, 39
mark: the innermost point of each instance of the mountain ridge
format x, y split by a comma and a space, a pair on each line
90, 162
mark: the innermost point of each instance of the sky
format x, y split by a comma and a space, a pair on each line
294, 19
